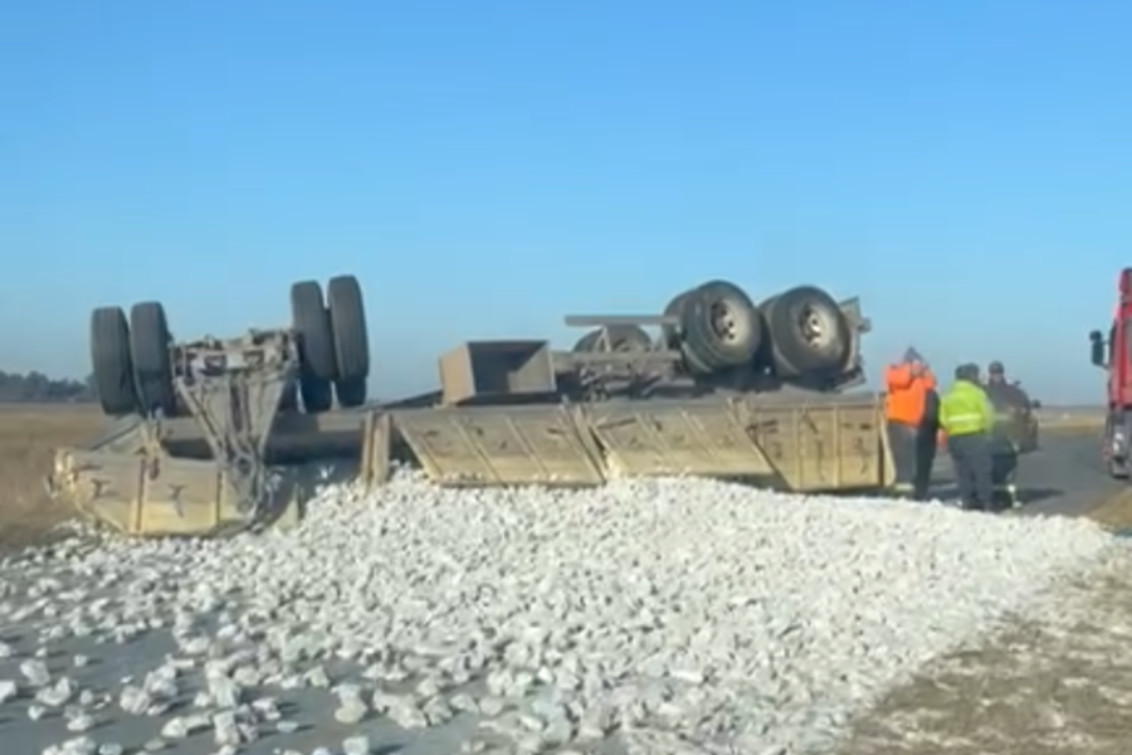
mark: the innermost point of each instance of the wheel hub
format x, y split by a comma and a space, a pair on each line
723, 322
815, 327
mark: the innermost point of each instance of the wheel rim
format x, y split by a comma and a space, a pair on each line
818, 327
727, 323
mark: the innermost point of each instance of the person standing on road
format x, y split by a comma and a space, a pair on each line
912, 413
997, 384
966, 415
1009, 401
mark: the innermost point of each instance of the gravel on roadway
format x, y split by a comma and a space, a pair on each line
648, 616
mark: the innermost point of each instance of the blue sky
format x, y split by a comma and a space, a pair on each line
487, 167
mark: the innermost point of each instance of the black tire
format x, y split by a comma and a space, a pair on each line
621, 338
310, 320
111, 363
317, 368
722, 328
670, 334
348, 328
289, 399
317, 395
351, 393
808, 332
153, 370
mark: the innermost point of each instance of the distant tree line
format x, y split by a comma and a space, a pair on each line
36, 388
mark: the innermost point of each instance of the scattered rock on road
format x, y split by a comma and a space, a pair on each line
725, 615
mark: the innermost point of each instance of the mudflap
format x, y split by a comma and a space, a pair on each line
495, 445
673, 438
156, 495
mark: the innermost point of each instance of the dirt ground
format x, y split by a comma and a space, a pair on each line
1116, 513
29, 435
1059, 684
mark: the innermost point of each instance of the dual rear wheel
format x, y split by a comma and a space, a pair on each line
132, 370
801, 331
333, 342
133, 364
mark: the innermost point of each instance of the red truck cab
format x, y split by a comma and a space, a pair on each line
1114, 355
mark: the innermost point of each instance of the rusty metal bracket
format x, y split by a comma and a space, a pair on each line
233, 391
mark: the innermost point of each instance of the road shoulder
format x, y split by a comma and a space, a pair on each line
1057, 681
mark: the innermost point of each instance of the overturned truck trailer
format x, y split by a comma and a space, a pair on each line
215, 436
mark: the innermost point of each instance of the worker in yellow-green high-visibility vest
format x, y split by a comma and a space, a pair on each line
966, 415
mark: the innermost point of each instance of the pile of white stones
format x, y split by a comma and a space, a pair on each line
682, 615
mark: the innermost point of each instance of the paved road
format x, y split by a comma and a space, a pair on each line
1064, 477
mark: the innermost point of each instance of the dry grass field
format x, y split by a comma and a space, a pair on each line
29, 434
1076, 418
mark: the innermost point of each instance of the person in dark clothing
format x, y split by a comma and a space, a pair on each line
1004, 472
966, 415
927, 440
997, 385
1009, 402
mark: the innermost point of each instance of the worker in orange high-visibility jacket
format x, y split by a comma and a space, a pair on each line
913, 423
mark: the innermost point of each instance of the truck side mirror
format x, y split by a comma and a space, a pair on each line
1097, 342
1035, 404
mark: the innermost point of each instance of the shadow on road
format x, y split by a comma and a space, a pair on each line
1036, 495
1027, 495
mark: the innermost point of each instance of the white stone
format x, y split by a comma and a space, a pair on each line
404, 712
317, 677
159, 708
464, 702
227, 730
80, 722
35, 671
225, 692
492, 706
175, 728
356, 746
437, 710
350, 712
56, 694
249, 732
134, 700
267, 708
79, 746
